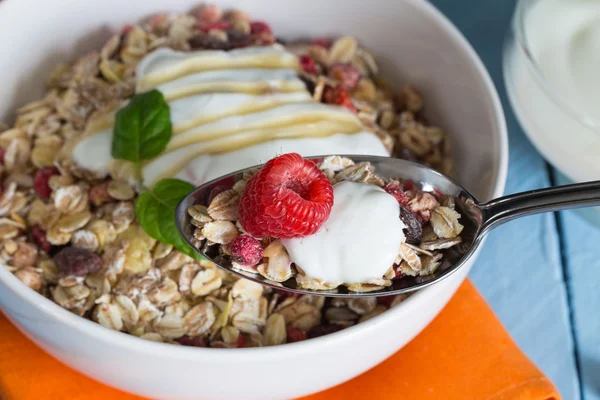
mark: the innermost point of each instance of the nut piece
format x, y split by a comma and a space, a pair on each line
78, 262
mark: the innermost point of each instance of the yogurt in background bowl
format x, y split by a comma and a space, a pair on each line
551, 64
424, 49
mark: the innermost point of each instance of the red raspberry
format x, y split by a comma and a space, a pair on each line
2, 153
295, 334
347, 74
39, 237
257, 27
289, 197
245, 250
308, 65
338, 95
220, 26
322, 42
40, 181
395, 191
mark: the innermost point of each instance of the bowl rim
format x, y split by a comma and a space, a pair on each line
132, 343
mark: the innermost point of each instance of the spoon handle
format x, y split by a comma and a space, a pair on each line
504, 209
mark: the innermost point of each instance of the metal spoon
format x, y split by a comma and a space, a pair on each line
478, 219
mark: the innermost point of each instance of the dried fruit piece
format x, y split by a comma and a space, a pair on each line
246, 251
308, 64
414, 229
322, 42
39, 237
295, 334
398, 193
338, 95
258, 27
41, 179
322, 330
289, 197
347, 74
194, 341
77, 262
219, 25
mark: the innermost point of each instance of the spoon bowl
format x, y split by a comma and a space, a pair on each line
477, 219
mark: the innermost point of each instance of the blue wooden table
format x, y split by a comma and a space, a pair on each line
540, 274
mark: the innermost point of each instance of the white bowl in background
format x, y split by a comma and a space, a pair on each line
414, 43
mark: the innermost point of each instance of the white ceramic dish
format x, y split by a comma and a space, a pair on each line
414, 42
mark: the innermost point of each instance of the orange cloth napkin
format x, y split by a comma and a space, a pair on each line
465, 354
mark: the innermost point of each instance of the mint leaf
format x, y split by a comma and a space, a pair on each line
142, 128
155, 211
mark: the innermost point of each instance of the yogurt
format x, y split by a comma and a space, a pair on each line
231, 110
557, 96
359, 241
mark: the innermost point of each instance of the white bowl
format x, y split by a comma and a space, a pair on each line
414, 43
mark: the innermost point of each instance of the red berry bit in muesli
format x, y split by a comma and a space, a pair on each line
282, 224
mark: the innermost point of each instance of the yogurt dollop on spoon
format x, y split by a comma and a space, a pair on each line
357, 243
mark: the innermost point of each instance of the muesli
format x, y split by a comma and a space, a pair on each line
77, 200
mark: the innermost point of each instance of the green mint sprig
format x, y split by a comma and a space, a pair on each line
142, 131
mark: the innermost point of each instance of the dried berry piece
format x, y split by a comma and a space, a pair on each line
398, 193
2, 152
347, 74
193, 341
219, 25
414, 229
322, 42
338, 95
39, 237
208, 42
238, 344
41, 179
308, 64
245, 250
77, 261
322, 330
238, 39
295, 334
258, 27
